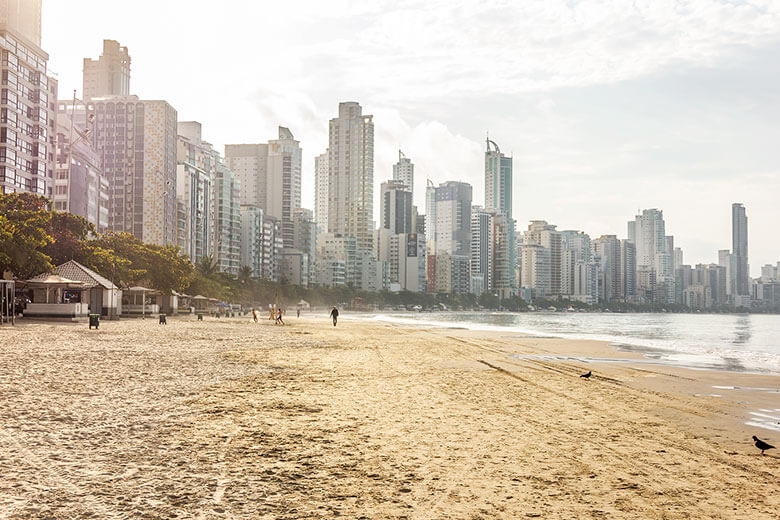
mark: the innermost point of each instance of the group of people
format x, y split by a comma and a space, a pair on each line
277, 315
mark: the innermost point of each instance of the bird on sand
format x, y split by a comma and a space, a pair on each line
761, 445
586, 376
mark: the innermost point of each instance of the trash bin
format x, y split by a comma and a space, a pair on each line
94, 321
200, 316
162, 319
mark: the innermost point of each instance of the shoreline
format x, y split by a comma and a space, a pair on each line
226, 418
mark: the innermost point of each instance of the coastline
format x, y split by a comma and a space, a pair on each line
227, 418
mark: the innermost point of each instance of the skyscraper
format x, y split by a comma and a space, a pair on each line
23, 17
739, 248
109, 75
541, 233
321, 183
351, 175
654, 264
270, 177
396, 209
403, 171
498, 180
196, 162
29, 99
451, 212
136, 141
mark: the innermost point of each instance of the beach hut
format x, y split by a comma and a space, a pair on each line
200, 303
105, 298
140, 300
303, 305
54, 296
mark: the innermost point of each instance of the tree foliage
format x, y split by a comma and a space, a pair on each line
25, 233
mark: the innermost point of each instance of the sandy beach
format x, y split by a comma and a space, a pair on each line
229, 419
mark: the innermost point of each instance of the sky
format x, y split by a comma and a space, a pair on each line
606, 106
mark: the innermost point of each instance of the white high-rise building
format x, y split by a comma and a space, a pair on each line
351, 175
27, 142
480, 249
739, 248
109, 75
270, 177
321, 185
195, 186
654, 264
403, 171
544, 234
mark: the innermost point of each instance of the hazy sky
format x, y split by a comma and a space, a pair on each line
606, 106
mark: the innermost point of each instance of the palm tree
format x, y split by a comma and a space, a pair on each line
245, 274
207, 266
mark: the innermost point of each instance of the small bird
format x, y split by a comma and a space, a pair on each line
761, 445
586, 376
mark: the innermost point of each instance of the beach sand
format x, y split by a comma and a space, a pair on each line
228, 419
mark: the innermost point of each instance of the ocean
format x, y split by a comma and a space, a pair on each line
740, 342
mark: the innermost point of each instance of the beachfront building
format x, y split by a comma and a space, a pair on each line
109, 75
448, 219
270, 177
136, 142
536, 269
396, 207
29, 93
543, 234
227, 222
321, 186
739, 248
403, 172
351, 175
251, 252
579, 274
80, 187
606, 252
196, 162
654, 263
481, 253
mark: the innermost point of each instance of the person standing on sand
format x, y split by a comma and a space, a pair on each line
335, 315
254, 315
299, 312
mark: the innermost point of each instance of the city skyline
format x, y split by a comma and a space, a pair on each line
572, 135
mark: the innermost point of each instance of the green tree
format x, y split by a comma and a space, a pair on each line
70, 233
26, 220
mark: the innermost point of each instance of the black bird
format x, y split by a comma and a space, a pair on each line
586, 376
761, 445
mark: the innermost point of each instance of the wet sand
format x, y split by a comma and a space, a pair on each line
228, 419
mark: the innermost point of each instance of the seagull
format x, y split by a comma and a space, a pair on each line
586, 376
761, 445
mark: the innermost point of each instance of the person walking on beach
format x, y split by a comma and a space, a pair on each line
254, 315
335, 315
299, 311
279, 317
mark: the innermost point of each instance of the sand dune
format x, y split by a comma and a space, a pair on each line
227, 419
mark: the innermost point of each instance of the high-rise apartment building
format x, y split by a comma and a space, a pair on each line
109, 75
654, 263
28, 103
450, 214
23, 17
498, 180
481, 255
739, 248
403, 171
136, 140
80, 187
396, 207
321, 186
351, 175
606, 251
270, 177
541, 233
196, 163
227, 222
251, 251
